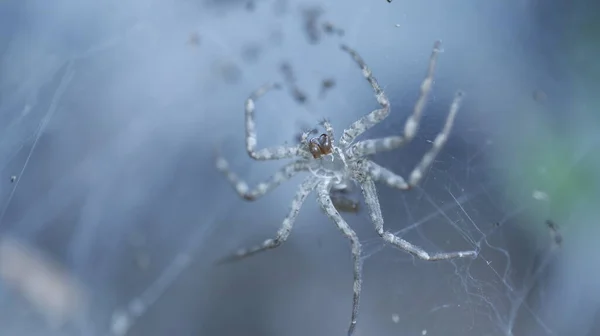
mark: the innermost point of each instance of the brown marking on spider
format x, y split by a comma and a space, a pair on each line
320, 146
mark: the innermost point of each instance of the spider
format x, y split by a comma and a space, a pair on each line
333, 167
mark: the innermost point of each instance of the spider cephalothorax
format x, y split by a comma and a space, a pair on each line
350, 163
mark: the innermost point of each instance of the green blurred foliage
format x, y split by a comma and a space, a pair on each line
562, 158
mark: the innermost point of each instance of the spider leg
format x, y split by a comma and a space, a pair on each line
374, 117
394, 180
372, 201
440, 140
284, 231
283, 174
326, 204
272, 153
386, 176
371, 146
328, 128
305, 134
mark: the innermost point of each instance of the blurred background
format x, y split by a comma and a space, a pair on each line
112, 213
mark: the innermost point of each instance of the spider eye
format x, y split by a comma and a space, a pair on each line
314, 148
325, 144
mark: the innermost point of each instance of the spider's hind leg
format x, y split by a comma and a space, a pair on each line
372, 201
284, 231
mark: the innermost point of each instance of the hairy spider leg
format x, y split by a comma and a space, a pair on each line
272, 153
373, 118
328, 129
326, 204
411, 126
440, 140
241, 187
386, 176
307, 186
394, 180
305, 134
367, 186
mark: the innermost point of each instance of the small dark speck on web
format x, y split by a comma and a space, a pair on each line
311, 18
326, 85
539, 96
251, 52
329, 28
554, 232
194, 39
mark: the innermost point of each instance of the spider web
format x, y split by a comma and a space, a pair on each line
105, 154
459, 206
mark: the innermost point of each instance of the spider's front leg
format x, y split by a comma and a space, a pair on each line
372, 201
272, 153
328, 129
284, 231
372, 146
326, 204
374, 117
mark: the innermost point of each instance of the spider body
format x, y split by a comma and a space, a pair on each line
333, 167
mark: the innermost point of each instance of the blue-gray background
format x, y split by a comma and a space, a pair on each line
109, 113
